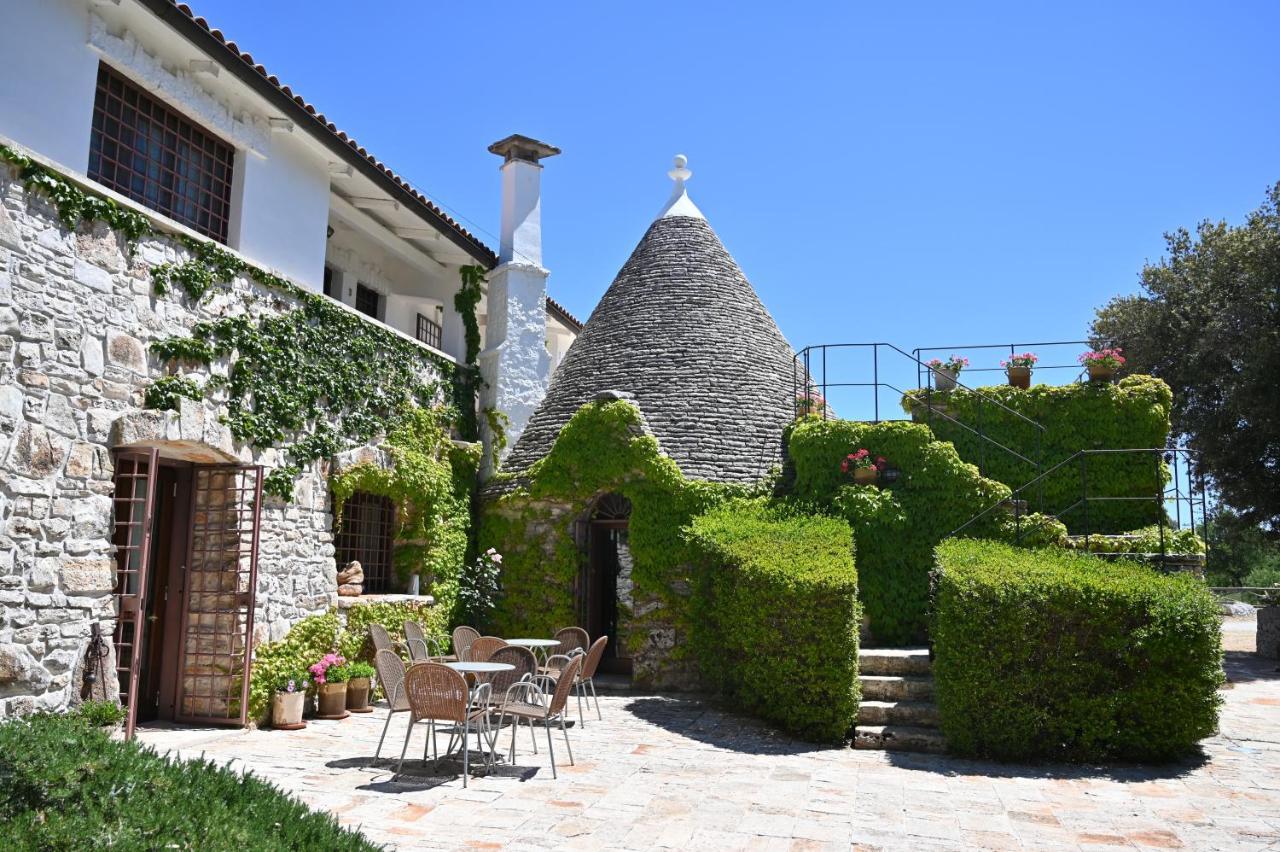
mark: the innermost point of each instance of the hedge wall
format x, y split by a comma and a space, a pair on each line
777, 616
1133, 412
896, 526
1048, 654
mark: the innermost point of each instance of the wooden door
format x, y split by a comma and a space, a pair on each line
134, 506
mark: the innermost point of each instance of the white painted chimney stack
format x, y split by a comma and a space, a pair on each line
515, 364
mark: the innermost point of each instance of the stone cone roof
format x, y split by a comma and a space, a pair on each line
682, 331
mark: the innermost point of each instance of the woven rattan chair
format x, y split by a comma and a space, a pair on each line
381, 638
571, 639
423, 648
462, 638
586, 674
391, 675
484, 647
529, 700
439, 694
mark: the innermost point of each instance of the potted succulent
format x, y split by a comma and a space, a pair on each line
288, 700
359, 678
865, 470
1102, 363
330, 676
1268, 644
946, 372
1019, 369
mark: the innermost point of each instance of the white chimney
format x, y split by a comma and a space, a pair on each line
515, 364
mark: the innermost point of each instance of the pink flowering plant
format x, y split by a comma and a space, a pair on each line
320, 671
861, 460
810, 402
954, 364
1026, 359
1109, 359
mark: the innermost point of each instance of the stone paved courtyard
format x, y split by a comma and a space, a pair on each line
668, 772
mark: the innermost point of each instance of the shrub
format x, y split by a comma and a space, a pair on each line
275, 662
1132, 413
1033, 530
355, 644
66, 785
896, 526
778, 632
1049, 654
1145, 540
101, 714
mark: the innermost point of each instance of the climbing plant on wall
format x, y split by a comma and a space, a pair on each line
466, 379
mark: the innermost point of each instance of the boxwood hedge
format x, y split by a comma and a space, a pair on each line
778, 615
1049, 654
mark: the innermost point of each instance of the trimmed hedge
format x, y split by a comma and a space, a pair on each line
896, 526
1053, 655
65, 785
777, 630
1132, 413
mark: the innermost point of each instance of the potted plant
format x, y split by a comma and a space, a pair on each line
288, 700
1102, 364
946, 372
330, 675
1019, 369
865, 470
809, 402
1268, 637
359, 675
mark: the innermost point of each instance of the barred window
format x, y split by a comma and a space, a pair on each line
368, 301
429, 331
145, 150
366, 534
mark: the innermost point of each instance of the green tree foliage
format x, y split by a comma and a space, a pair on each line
1241, 553
1044, 654
1207, 321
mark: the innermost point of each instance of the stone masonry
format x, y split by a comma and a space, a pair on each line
77, 313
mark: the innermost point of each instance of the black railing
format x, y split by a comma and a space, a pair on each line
923, 353
1172, 468
813, 386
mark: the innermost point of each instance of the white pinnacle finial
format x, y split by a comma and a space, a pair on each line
679, 204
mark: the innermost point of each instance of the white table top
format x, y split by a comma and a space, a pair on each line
478, 668
534, 643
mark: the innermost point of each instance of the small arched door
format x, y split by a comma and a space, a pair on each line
606, 571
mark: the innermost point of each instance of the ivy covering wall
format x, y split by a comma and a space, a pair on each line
1131, 413
895, 525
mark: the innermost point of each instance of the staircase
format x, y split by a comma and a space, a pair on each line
897, 711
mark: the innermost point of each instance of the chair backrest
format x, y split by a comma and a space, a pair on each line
413, 630
594, 656
462, 638
391, 675
436, 692
523, 660
484, 647
570, 638
419, 650
381, 639
567, 676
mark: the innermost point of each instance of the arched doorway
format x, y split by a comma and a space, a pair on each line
605, 578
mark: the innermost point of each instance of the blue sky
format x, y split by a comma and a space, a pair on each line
925, 173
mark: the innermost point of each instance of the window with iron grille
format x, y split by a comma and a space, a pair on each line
429, 331
145, 150
366, 534
368, 301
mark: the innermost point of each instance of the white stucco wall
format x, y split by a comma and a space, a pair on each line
47, 85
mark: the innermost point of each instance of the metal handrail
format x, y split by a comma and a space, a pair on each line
1013, 349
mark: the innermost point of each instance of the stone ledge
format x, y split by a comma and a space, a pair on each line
348, 603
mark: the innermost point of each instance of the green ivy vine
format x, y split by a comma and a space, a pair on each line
466, 379
74, 204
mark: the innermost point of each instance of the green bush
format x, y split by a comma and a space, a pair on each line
896, 526
275, 663
1054, 655
1145, 540
66, 785
101, 714
1033, 530
1132, 413
777, 630
355, 644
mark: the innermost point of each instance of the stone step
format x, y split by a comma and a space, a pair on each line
919, 714
894, 661
899, 738
896, 687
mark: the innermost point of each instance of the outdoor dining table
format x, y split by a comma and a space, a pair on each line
535, 645
481, 670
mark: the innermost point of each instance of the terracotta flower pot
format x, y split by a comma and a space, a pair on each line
944, 379
865, 475
1019, 377
358, 695
333, 700
286, 710
1100, 373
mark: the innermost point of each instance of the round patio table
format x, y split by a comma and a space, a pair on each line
479, 668
536, 645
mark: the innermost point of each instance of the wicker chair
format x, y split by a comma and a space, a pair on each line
484, 647
528, 700
422, 647
391, 675
556, 665
381, 639
571, 639
438, 693
462, 638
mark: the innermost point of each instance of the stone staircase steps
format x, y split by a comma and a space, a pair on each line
897, 712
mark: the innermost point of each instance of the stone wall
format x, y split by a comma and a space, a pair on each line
77, 313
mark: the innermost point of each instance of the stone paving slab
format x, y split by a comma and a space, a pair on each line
675, 773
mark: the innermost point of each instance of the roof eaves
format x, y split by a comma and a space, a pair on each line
561, 313
242, 65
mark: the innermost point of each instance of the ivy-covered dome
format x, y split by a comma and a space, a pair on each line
683, 333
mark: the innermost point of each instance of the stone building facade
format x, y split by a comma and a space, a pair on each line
77, 313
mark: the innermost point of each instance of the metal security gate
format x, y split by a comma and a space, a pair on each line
134, 506
218, 595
